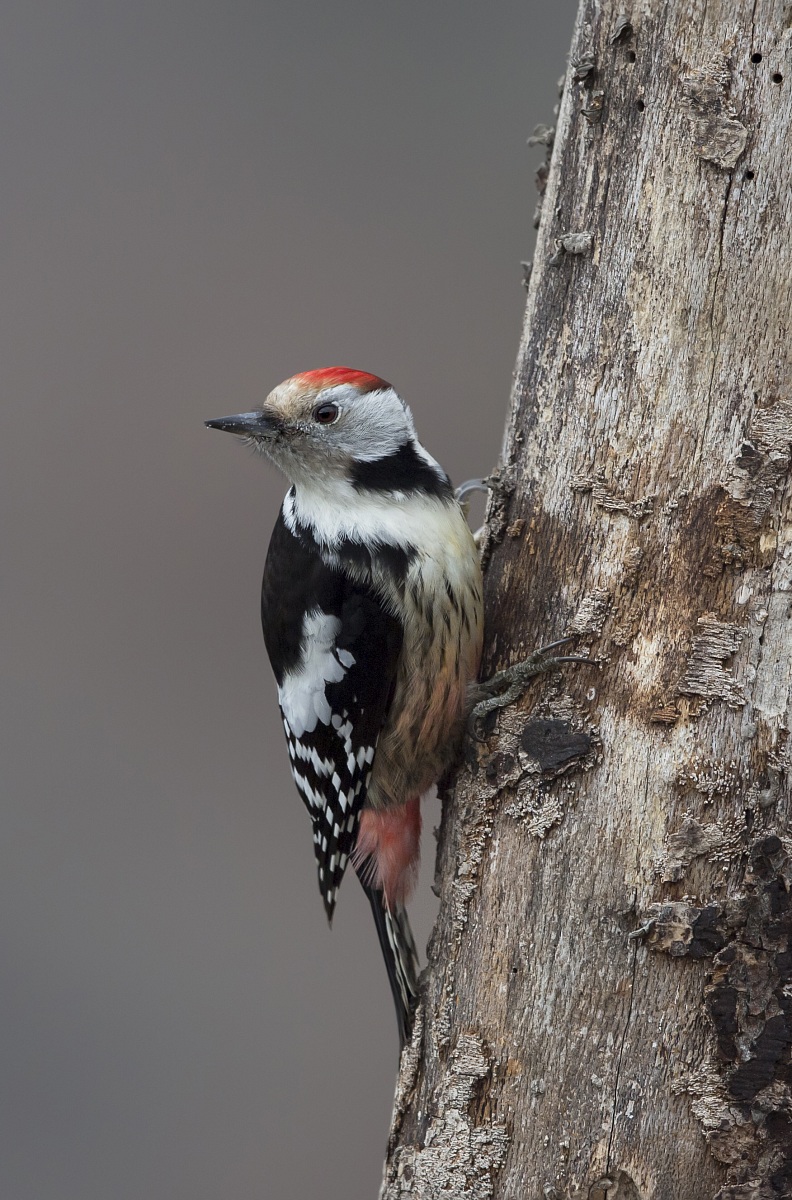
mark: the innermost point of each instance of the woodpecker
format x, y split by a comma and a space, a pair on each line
372, 612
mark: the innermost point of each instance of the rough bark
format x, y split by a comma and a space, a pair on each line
607, 1009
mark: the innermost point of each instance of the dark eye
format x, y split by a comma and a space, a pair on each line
325, 414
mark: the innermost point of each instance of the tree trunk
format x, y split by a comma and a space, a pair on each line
607, 1010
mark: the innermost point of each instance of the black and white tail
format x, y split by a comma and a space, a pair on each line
401, 957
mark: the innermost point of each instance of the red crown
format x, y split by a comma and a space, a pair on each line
330, 376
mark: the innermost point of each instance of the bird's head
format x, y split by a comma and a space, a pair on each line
325, 423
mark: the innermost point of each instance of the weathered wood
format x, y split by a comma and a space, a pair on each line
607, 1005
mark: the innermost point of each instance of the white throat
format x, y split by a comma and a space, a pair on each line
335, 511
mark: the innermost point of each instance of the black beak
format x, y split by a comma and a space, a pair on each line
252, 424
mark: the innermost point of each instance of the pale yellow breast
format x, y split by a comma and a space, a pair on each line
443, 624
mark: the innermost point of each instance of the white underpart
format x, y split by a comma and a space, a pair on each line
334, 510
302, 694
434, 530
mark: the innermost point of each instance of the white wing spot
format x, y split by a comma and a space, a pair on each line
313, 798
302, 694
322, 766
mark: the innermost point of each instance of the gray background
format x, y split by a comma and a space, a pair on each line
199, 199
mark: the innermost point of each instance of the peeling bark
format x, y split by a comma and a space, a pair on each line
607, 1010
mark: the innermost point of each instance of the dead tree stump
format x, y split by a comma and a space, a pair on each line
607, 1010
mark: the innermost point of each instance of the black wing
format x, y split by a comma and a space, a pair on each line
334, 650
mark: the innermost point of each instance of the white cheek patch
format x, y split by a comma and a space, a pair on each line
302, 694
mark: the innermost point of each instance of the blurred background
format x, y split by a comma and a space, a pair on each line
199, 199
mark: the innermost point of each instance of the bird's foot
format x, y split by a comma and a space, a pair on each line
468, 488
463, 494
642, 931
504, 687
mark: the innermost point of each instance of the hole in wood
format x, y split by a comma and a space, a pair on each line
756, 58
778, 77
749, 174
639, 104
630, 56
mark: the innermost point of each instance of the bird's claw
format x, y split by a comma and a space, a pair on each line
642, 931
469, 487
505, 687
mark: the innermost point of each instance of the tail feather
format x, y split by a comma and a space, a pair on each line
401, 958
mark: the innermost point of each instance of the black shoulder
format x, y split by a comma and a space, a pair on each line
296, 580
403, 471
